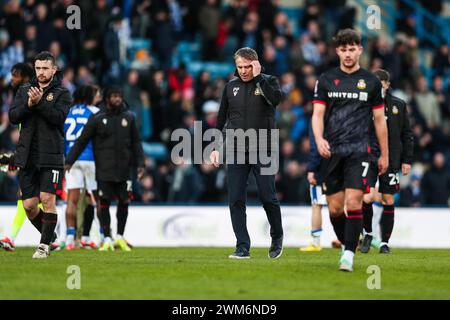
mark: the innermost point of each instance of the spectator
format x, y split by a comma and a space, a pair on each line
427, 104
292, 185
147, 191
9, 54
436, 183
208, 18
164, 39
441, 60
213, 183
185, 183
441, 96
111, 45
411, 196
132, 95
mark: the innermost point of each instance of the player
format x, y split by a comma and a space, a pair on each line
82, 174
318, 198
117, 150
345, 99
21, 73
41, 107
401, 147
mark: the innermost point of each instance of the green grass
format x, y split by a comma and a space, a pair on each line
207, 273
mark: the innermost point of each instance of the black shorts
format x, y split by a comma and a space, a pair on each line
346, 172
34, 180
110, 190
389, 182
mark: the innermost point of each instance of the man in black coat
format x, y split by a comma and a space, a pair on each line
117, 151
401, 147
248, 106
41, 107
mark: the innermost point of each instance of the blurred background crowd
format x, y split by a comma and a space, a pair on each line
173, 57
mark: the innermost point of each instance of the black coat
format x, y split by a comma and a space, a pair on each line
42, 126
249, 105
400, 136
116, 142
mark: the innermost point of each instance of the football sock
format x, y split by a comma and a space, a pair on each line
105, 218
18, 221
49, 221
122, 215
316, 236
387, 223
71, 232
37, 221
367, 217
353, 228
338, 223
88, 219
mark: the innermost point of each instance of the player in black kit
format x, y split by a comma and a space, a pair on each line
401, 147
345, 100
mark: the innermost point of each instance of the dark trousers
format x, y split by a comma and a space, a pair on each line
237, 175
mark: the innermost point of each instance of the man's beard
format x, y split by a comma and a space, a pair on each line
46, 81
351, 64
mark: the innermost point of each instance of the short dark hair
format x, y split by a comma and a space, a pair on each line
382, 74
84, 95
246, 53
24, 69
347, 37
45, 55
113, 90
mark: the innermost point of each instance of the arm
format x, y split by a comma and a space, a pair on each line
56, 114
314, 156
318, 117
318, 128
223, 110
136, 145
407, 139
19, 110
270, 89
82, 141
381, 132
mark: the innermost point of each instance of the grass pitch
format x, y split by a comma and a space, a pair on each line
207, 273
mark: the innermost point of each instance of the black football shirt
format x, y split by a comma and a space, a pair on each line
349, 99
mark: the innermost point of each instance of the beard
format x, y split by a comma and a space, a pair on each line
350, 64
44, 80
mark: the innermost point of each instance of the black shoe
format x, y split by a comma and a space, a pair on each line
276, 248
240, 253
365, 245
385, 249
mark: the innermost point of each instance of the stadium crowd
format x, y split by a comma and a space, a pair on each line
166, 96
